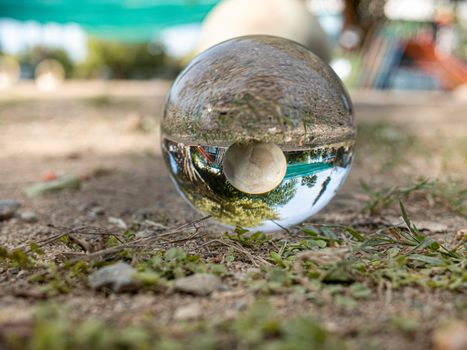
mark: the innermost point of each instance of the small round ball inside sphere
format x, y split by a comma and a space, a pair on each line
254, 168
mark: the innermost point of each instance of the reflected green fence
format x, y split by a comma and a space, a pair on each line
305, 169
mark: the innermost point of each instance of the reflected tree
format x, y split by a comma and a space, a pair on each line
309, 181
324, 186
243, 212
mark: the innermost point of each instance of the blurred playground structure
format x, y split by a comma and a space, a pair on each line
373, 44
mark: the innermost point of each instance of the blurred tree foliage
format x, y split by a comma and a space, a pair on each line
309, 181
116, 60
34, 56
109, 60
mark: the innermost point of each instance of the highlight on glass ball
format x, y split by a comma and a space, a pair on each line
258, 132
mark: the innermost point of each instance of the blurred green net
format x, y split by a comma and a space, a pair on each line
128, 20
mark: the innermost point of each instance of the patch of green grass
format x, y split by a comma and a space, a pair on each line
451, 194
325, 264
361, 263
258, 327
15, 258
155, 269
383, 198
246, 239
100, 101
455, 152
173, 263
405, 324
385, 143
103, 101
324, 256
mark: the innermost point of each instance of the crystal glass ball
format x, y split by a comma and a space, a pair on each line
258, 132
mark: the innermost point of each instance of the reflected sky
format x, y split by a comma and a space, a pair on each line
301, 206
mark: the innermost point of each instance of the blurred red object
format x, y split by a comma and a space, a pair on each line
451, 71
49, 176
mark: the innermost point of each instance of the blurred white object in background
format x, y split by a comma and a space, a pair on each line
180, 40
289, 19
49, 75
330, 16
18, 36
342, 67
460, 93
350, 38
415, 10
9, 72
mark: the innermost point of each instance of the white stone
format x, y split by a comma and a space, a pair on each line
8, 208
119, 277
188, 312
199, 284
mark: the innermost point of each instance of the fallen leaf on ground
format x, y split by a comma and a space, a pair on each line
40, 188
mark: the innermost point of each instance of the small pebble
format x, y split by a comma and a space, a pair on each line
240, 305
254, 168
188, 312
97, 211
27, 216
143, 233
119, 277
86, 206
198, 284
117, 222
8, 208
154, 225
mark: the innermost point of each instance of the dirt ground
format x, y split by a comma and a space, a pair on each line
108, 135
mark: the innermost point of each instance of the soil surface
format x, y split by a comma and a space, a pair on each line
107, 135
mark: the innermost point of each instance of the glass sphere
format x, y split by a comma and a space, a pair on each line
258, 132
